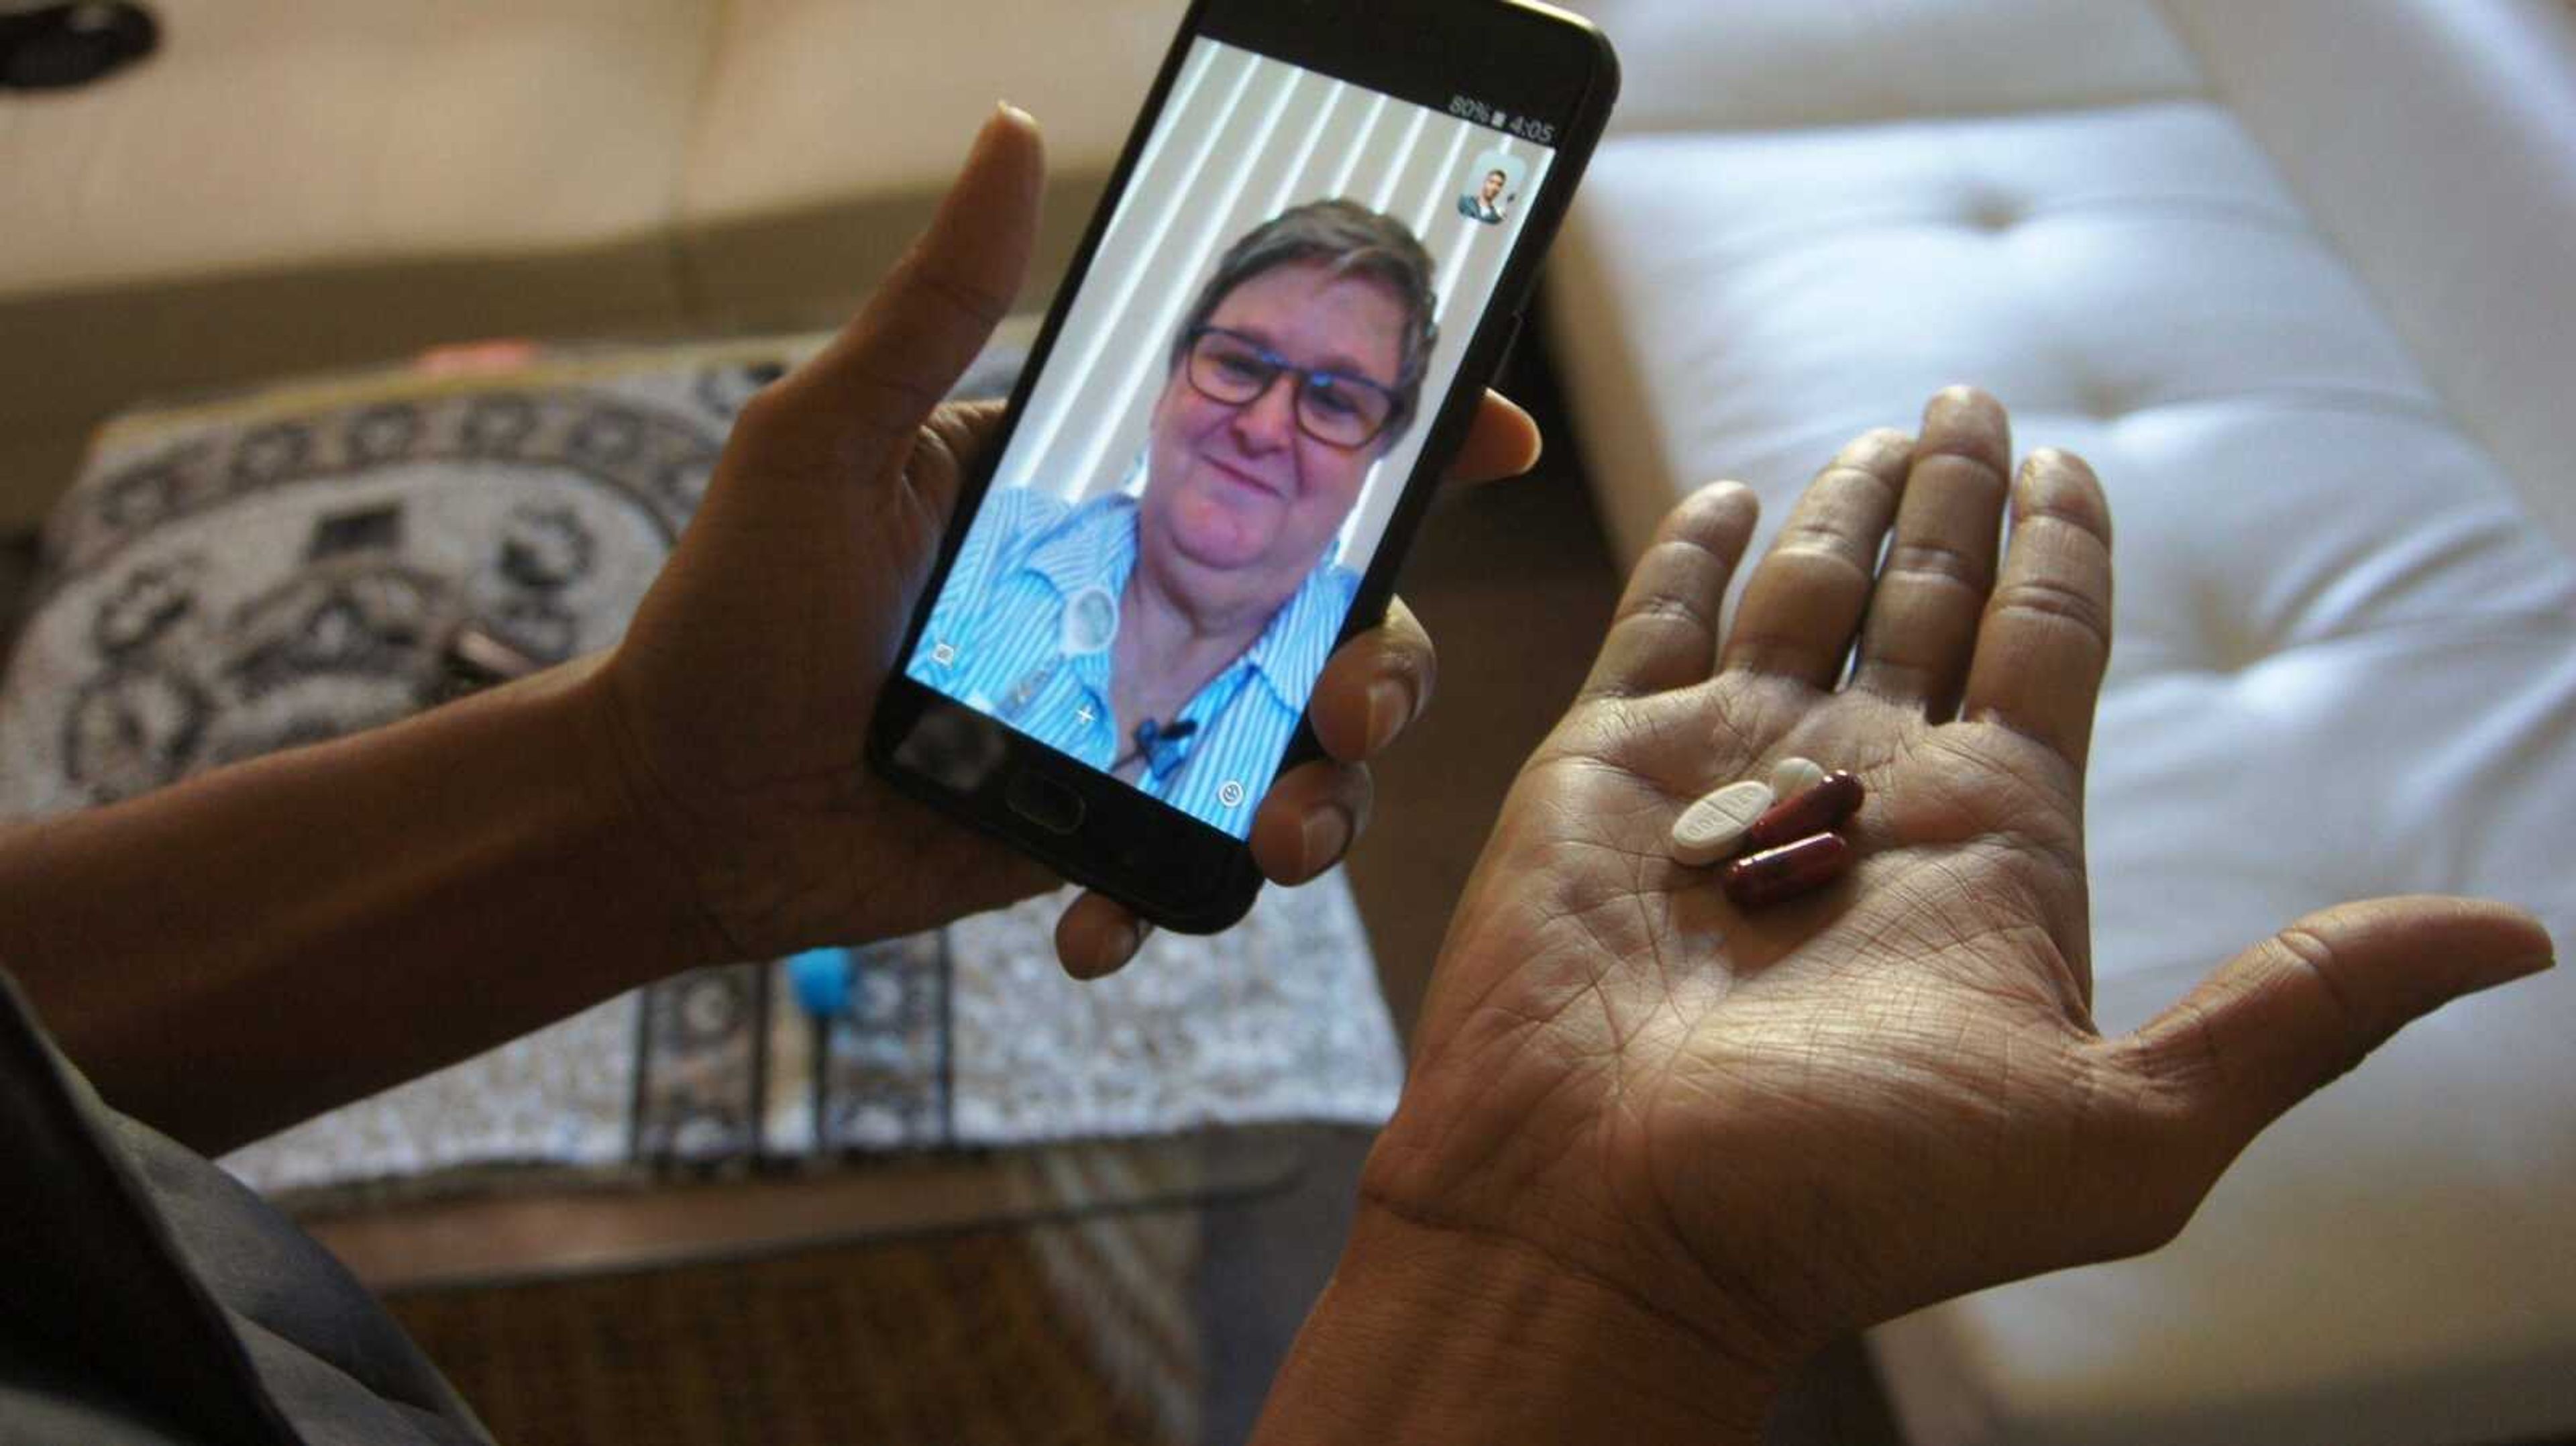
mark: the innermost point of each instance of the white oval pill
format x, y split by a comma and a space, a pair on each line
1793, 776
1709, 829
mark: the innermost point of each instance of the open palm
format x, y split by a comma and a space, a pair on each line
1783, 1124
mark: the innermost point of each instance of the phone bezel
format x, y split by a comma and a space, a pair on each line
1174, 869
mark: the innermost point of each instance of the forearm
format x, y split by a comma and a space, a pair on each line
1425, 1335
237, 952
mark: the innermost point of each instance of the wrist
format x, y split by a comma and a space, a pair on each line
646, 834
1430, 1333
322, 923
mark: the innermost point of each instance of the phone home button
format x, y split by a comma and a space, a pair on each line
1044, 802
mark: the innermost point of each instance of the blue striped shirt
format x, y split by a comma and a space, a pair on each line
1022, 633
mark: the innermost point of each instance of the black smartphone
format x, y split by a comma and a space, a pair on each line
1313, 254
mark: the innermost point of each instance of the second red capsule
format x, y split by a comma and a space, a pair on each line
1772, 875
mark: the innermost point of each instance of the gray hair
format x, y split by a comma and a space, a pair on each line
1350, 240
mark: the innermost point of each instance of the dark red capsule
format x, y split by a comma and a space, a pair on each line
1811, 812
1785, 872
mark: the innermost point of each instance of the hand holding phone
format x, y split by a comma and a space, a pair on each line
1314, 251
740, 697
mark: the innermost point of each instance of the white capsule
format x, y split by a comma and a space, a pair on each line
1709, 829
1793, 776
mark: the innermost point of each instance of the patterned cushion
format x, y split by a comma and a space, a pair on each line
245, 575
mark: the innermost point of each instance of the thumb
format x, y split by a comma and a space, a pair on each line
2289, 1015
863, 396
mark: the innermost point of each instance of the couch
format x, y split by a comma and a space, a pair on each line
2296, 277
2293, 274
287, 186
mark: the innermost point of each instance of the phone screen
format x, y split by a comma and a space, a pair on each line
1177, 528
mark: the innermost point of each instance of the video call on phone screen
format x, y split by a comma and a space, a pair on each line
1201, 476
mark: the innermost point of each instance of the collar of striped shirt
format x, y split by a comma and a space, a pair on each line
1096, 545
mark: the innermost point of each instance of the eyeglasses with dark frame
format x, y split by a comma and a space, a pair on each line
1335, 408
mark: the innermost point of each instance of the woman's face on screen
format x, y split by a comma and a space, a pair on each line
1239, 495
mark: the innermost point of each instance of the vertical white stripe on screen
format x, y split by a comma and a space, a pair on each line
1359, 147
1396, 161
1345, 132
1363, 514
1136, 252
1369, 513
1449, 179
1193, 71
1289, 174
1176, 299
1365, 511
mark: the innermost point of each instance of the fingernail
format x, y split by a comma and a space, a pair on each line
1327, 833
1877, 448
1137, 931
1390, 708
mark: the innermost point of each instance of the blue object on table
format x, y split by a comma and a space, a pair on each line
823, 978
